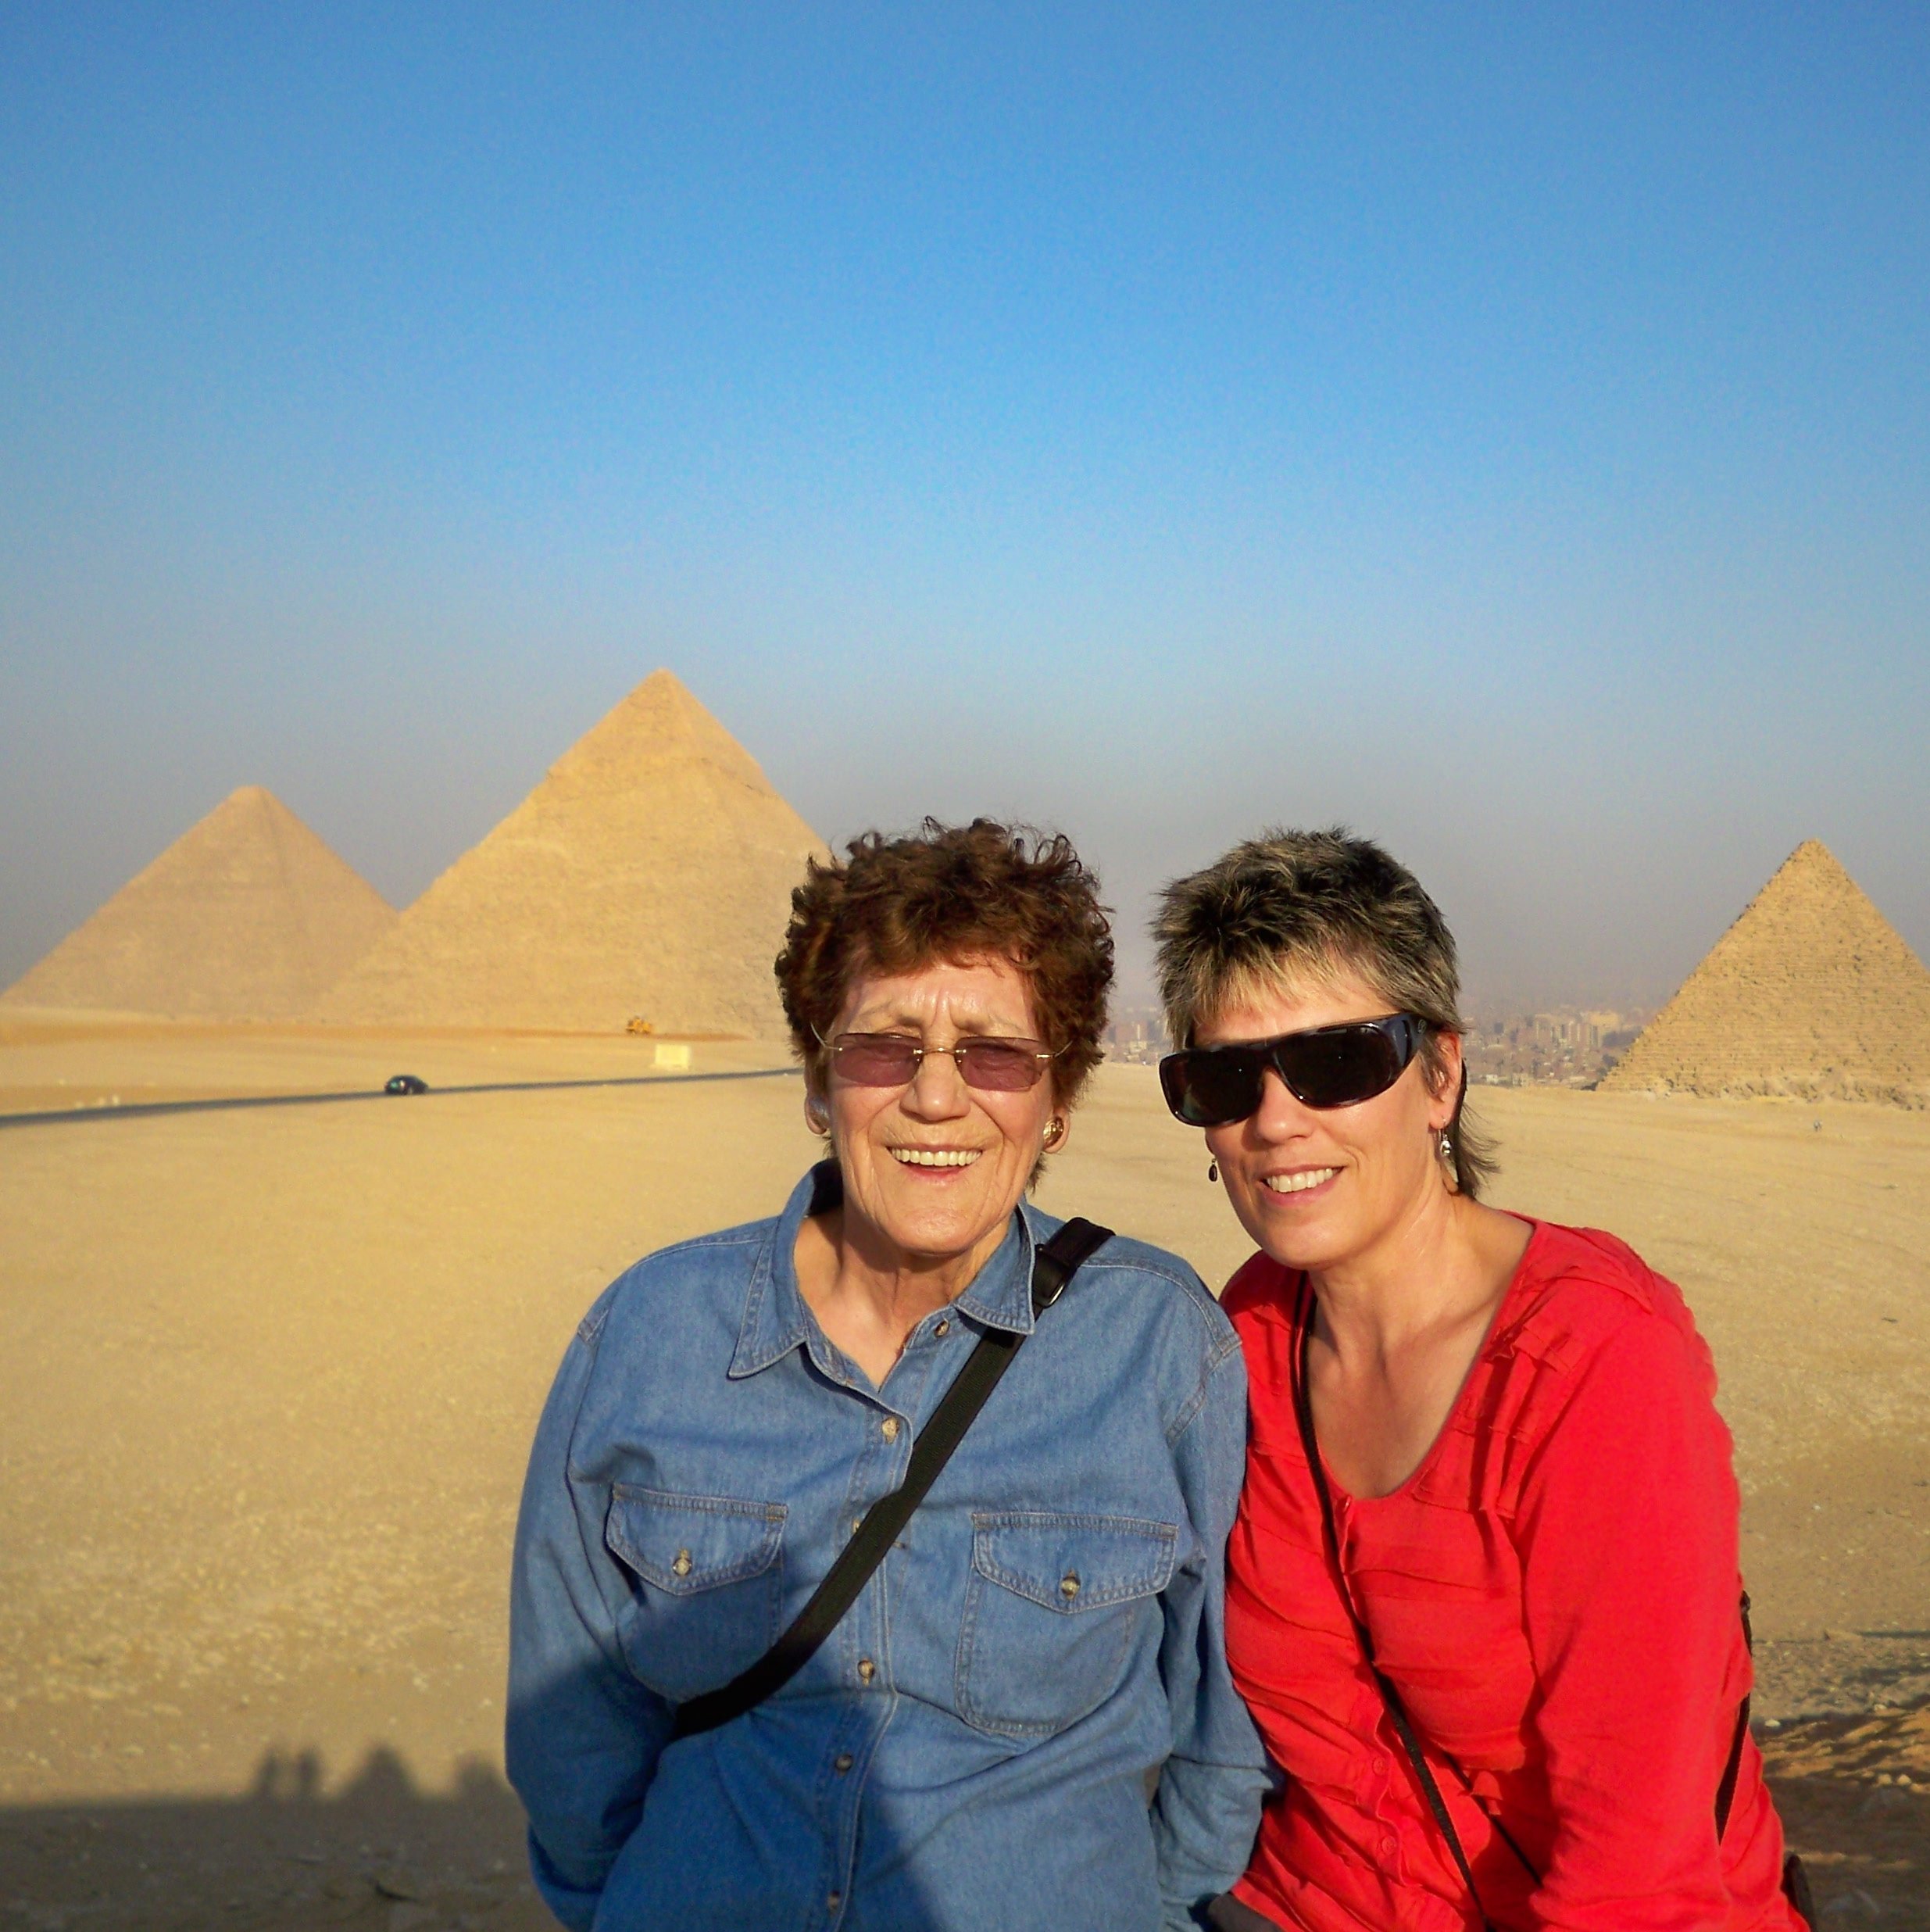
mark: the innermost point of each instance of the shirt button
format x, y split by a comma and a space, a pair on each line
843, 1762
681, 1565
857, 1523
944, 1327
867, 1670
1389, 1847
835, 1901
1069, 1585
1380, 1766
888, 1429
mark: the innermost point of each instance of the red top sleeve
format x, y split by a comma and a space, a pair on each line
1627, 1532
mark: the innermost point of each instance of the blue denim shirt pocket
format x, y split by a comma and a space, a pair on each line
707, 1584
1049, 1614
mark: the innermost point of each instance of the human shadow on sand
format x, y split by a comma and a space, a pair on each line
1854, 1793
287, 1855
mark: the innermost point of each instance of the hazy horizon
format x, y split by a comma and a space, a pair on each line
1492, 983
1506, 434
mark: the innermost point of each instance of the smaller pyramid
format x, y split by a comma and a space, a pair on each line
247, 916
648, 874
1811, 992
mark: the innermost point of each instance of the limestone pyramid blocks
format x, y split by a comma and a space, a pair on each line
248, 915
1811, 994
647, 878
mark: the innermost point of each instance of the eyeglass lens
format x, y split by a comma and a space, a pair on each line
995, 1066
1331, 1066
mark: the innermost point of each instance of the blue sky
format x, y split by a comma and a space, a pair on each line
1506, 430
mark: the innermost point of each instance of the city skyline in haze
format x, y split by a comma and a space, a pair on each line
1506, 435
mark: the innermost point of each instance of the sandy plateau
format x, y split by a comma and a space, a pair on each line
267, 1379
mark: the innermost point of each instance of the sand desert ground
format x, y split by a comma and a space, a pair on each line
267, 1379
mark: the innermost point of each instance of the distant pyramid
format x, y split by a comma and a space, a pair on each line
1810, 992
247, 916
649, 874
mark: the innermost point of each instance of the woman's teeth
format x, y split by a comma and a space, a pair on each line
935, 1157
1298, 1183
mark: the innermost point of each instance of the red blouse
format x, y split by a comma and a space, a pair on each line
1554, 1590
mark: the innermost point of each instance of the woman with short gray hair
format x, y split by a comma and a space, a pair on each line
1482, 1591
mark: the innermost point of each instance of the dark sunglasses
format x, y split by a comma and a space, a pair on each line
1325, 1066
993, 1066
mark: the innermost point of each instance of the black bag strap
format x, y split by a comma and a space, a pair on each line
1725, 1792
1053, 1265
1390, 1695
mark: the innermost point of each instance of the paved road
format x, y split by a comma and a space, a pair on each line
148, 1108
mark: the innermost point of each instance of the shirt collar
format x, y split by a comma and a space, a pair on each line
1001, 1294
776, 1321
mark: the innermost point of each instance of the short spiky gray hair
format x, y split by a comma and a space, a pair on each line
1291, 909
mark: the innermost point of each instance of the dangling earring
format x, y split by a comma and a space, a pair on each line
1212, 1170
1446, 1148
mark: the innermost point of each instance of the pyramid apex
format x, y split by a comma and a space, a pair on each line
1811, 852
1810, 870
662, 696
662, 689
657, 719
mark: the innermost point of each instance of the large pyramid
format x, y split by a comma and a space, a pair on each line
247, 916
1811, 992
649, 874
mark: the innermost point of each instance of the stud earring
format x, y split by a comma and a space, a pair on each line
815, 1117
1055, 1132
1212, 1170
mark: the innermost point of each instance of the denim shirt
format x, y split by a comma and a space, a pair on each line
972, 1748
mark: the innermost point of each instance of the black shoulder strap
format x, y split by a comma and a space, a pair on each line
1725, 1792
1053, 1265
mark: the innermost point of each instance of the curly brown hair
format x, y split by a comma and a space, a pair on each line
953, 892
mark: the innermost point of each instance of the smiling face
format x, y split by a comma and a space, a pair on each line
1319, 1188
933, 1170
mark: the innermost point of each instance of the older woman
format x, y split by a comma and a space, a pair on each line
1482, 1592
972, 1744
